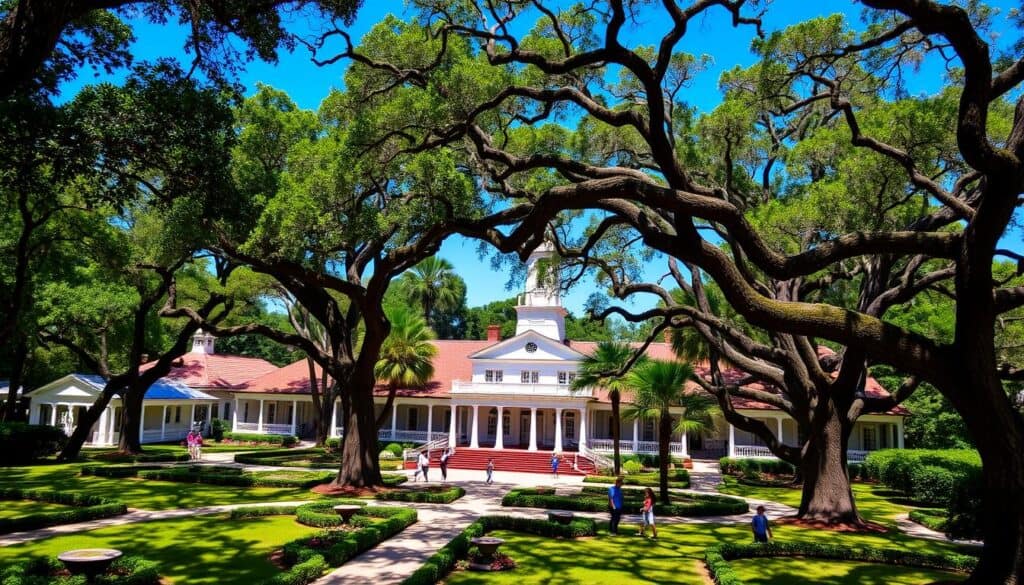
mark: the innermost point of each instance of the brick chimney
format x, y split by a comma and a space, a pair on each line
494, 333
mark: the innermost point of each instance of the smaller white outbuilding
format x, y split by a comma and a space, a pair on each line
169, 409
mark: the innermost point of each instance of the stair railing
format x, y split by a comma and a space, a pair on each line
601, 462
414, 453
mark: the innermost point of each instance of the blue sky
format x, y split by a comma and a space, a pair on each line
711, 34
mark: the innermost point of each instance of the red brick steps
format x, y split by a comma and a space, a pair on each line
511, 460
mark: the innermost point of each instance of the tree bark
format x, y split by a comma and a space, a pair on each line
664, 438
81, 433
827, 496
359, 464
616, 431
17, 375
130, 441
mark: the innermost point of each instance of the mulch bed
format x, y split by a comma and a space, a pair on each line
866, 528
330, 489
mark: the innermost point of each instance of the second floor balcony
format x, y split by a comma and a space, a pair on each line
506, 388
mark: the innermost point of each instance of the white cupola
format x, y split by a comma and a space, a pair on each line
202, 342
540, 306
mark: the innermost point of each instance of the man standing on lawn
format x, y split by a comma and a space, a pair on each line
615, 505
762, 530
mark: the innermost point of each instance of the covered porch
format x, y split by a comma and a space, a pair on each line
870, 433
273, 415
639, 436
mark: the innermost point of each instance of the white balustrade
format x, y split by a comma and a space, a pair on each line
855, 456
246, 427
409, 436
277, 429
757, 451
643, 447
559, 390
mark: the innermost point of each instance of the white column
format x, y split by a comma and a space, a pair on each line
430, 420
295, 410
192, 418
499, 430
636, 435
583, 426
101, 429
779, 420
732, 441
53, 415
533, 429
558, 430
163, 424
394, 418
899, 434
142, 422
259, 419
111, 429
473, 442
334, 419
685, 449
234, 417
451, 426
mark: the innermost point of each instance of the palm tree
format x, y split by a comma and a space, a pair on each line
432, 284
598, 370
406, 356
658, 386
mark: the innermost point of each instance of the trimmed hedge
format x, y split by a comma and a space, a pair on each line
717, 558
444, 560
310, 556
41, 571
83, 507
116, 470
284, 440
235, 477
22, 443
678, 478
281, 457
754, 466
260, 511
320, 514
595, 499
934, 519
443, 496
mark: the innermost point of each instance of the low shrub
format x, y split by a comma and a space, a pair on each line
932, 485
279, 457
235, 477
632, 467
677, 478
217, 429
82, 508
445, 495
333, 443
395, 449
116, 470
320, 514
754, 466
595, 499
444, 560
45, 571
260, 511
22, 443
283, 440
717, 558
308, 557
934, 519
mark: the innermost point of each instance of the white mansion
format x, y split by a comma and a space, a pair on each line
495, 393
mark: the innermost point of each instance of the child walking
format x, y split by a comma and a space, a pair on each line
647, 515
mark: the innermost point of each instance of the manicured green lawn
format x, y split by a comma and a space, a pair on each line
195, 551
676, 557
875, 502
177, 449
783, 571
141, 493
17, 508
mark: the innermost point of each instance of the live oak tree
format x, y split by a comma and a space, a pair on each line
968, 193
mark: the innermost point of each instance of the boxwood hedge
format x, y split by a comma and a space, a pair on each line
717, 558
82, 508
445, 495
678, 478
236, 477
44, 571
595, 499
308, 557
284, 440
443, 561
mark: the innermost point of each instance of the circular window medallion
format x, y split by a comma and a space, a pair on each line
531, 347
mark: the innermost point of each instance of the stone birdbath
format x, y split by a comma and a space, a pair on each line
90, 562
346, 511
488, 545
561, 517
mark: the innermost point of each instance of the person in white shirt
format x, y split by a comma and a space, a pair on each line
423, 465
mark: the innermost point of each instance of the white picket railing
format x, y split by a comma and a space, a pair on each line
409, 436
642, 447
856, 456
277, 429
752, 451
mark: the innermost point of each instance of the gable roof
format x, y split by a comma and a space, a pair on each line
216, 371
162, 389
523, 338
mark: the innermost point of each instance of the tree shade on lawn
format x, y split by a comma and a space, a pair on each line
143, 494
199, 550
789, 571
676, 557
18, 508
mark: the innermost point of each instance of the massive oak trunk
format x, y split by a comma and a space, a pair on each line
359, 464
827, 496
10, 409
131, 421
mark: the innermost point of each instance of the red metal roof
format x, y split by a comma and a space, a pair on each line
216, 371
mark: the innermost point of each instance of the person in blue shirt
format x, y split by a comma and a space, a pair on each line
762, 530
615, 505
554, 464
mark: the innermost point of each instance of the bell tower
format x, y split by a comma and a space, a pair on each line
540, 306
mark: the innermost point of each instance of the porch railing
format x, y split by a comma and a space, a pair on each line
600, 461
245, 427
409, 436
856, 456
268, 428
437, 444
757, 451
642, 447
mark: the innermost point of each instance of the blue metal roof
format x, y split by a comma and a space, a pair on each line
160, 390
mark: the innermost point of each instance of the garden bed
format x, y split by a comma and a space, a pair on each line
438, 494
595, 499
74, 508
459, 548
260, 439
123, 571
306, 559
677, 479
717, 558
214, 475
313, 457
